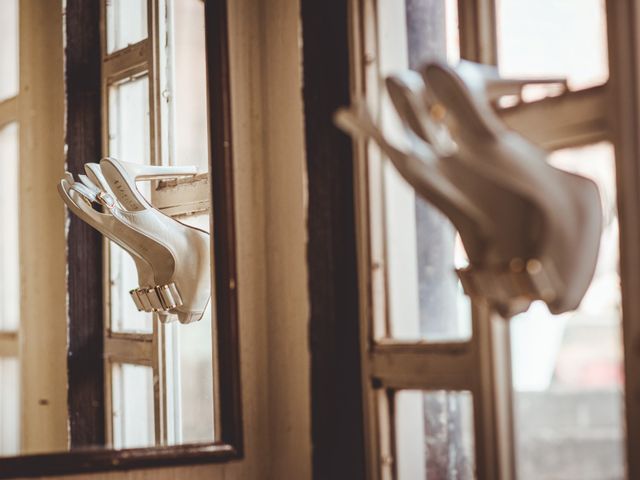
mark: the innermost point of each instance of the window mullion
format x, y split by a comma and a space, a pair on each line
8, 111
579, 118
495, 454
183, 196
493, 415
133, 57
160, 332
447, 367
8, 344
129, 348
477, 23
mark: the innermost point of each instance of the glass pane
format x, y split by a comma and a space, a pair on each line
189, 86
425, 297
432, 30
123, 277
129, 140
126, 23
196, 369
129, 135
567, 369
196, 380
434, 435
132, 405
565, 38
9, 211
9, 406
9, 69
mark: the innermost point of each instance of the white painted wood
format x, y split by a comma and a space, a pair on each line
184, 196
578, 118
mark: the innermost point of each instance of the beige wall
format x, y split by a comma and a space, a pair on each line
43, 333
271, 222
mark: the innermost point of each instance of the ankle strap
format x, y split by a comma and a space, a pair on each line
159, 298
533, 279
91, 194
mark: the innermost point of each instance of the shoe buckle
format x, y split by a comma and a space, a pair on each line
166, 297
135, 295
159, 298
105, 200
531, 279
543, 279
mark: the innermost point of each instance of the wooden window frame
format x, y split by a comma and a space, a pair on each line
9, 113
9, 338
181, 197
86, 315
482, 364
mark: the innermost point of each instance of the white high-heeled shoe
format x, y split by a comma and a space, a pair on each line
172, 258
94, 178
508, 236
516, 263
561, 211
481, 230
420, 167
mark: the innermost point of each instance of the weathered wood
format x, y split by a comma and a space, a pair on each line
86, 323
336, 392
623, 27
227, 346
99, 459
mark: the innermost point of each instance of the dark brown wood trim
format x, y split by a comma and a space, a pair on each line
84, 244
336, 391
85, 269
623, 27
85, 460
223, 228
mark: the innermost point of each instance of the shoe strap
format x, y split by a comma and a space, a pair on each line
533, 279
158, 298
91, 194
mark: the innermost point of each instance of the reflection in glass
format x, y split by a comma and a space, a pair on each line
9, 406
9, 239
567, 369
565, 38
126, 23
426, 299
129, 136
9, 70
434, 435
196, 369
123, 277
132, 405
189, 92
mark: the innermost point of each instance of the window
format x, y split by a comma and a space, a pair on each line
79, 368
9, 259
157, 375
454, 391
